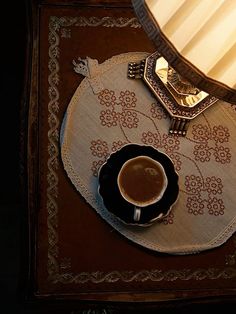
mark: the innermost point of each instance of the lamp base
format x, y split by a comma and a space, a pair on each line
181, 99
183, 92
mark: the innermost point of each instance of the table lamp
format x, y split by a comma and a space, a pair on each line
195, 61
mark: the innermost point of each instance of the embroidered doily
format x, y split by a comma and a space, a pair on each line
109, 110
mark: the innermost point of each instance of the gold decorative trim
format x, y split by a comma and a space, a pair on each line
56, 24
155, 275
53, 148
54, 268
93, 21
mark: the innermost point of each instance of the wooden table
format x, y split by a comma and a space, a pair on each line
77, 262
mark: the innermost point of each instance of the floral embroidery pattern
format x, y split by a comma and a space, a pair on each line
202, 194
150, 138
100, 149
216, 207
107, 98
168, 220
195, 205
127, 99
117, 145
120, 109
108, 118
211, 142
129, 119
168, 144
157, 112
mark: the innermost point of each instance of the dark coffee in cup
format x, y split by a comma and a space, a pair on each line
142, 181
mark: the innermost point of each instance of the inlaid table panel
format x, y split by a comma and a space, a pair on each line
75, 254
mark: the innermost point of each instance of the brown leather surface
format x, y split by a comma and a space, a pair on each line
76, 251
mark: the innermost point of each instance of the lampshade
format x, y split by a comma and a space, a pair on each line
197, 38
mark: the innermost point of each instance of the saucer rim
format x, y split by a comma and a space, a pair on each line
173, 183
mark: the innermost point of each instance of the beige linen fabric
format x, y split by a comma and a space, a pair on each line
110, 110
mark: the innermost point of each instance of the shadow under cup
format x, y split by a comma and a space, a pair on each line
142, 182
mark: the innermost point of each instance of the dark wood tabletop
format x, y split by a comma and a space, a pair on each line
76, 261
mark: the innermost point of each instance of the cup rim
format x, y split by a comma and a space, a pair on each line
154, 200
114, 204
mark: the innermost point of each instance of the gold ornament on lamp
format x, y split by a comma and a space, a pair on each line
195, 61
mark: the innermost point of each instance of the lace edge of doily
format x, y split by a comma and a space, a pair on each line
97, 205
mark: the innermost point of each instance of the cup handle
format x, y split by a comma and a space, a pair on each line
137, 213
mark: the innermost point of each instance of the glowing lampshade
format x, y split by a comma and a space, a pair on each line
196, 40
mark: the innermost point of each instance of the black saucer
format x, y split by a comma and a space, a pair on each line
109, 191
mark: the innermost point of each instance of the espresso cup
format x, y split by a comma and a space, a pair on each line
142, 182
